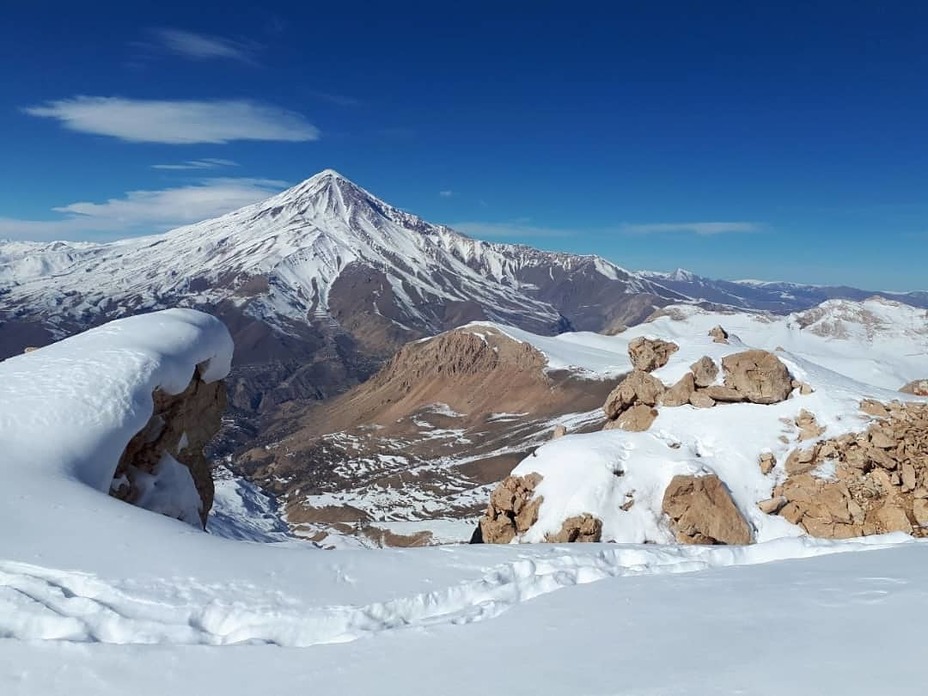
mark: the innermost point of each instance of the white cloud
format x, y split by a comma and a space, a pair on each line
699, 228
144, 212
447, 193
205, 163
177, 122
202, 46
517, 228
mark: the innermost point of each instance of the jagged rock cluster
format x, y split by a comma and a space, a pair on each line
918, 387
864, 483
181, 425
756, 376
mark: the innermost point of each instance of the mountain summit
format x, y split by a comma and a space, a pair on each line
318, 283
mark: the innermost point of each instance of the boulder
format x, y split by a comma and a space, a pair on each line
758, 375
919, 387
702, 511
648, 354
512, 510
701, 400
638, 388
679, 394
704, 371
767, 462
719, 392
718, 334
560, 430
809, 429
635, 419
180, 427
579, 528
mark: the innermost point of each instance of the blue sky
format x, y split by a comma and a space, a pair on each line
735, 139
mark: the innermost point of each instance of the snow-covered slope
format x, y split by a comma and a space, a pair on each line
99, 597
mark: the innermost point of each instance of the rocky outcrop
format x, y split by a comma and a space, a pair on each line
758, 376
512, 510
636, 419
638, 389
180, 427
702, 511
718, 334
579, 528
754, 375
918, 387
864, 483
704, 371
649, 354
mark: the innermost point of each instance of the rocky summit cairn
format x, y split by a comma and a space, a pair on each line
638, 389
648, 354
701, 511
871, 482
512, 510
181, 425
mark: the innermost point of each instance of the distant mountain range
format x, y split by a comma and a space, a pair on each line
322, 282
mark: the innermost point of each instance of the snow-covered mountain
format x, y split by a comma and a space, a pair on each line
771, 296
318, 284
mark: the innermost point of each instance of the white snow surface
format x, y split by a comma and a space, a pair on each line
98, 597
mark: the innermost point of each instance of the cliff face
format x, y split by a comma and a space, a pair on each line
163, 467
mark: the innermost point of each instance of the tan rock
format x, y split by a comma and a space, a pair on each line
704, 371
638, 387
181, 426
767, 462
718, 392
679, 394
702, 511
648, 354
809, 429
773, 505
701, 400
718, 334
920, 511
758, 375
919, 387
560, 430
513, 509
636, 419
580, 528
909, 478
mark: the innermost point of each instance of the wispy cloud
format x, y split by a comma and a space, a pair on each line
144, 212
177, 122
196, 46
447, 193
515, 228
205, 163
698, 228
337, 99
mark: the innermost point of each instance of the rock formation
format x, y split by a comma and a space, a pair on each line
758, 376
649, 354
718, 334
512, 510
639, 388
704, 371
918, 387
579, 528
181, 425
864, 483
702, 511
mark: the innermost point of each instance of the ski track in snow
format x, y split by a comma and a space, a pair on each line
38, 603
